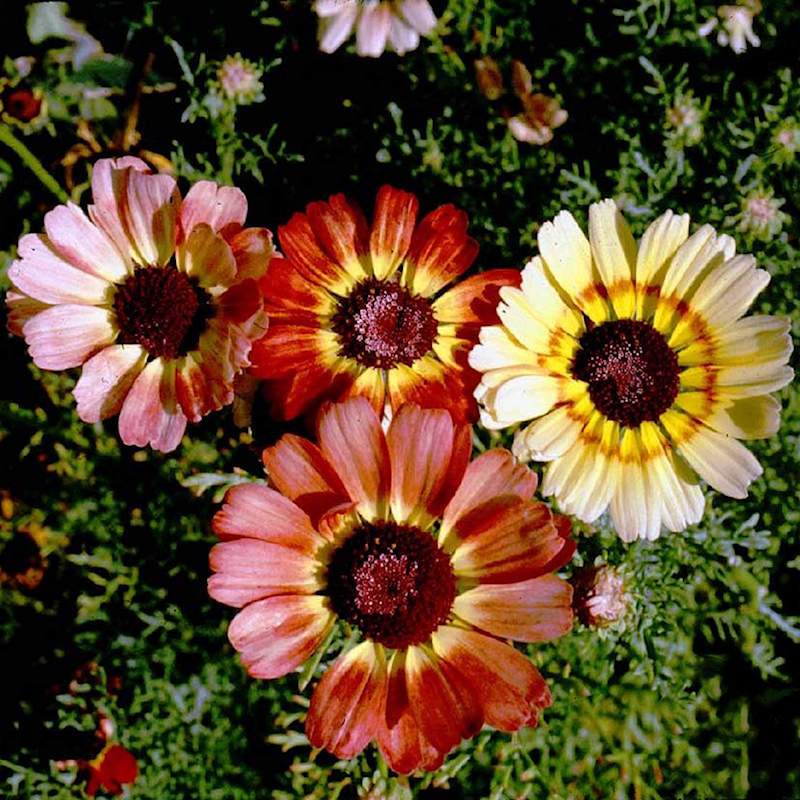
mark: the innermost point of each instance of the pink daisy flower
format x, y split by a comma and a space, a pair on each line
154, 296
434, 560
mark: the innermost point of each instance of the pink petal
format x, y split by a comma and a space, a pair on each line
492, 473
252, 248
65, 336
420, 446
418, 14
205, 255
442, 702
83, 244
392, 229
20, 309
459, 460
44, 275
250, 569
504, 540
109, 191
372, 30
256, 512
150, 413
151, 211
352, 441
334, 29
276, 635
535, 610
300, 472
106, 379
224, 208
505, 683
345, 707
192, 388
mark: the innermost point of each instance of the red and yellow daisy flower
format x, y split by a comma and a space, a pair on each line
637, 368
358, 311
435, 560
154, 295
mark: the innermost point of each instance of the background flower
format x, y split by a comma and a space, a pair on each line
153, 295
435, 561
360, 310
636, 367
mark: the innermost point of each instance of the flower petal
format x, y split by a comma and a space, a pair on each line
535, 610
372, 29
392, 225
490, 474
44, 275
106, 379
277, 634
253, 250
474, 300
352, 441
252, 569
150, 413
506, 684
300, 472
151, 211
418, 14
347, 703
335, 28
206, 257
614, 253
83, 244
67, 335
342, 231
256, 512
420, 445
223, 208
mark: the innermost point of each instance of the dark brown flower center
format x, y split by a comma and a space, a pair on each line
162, 309
21, 103
381, 324
393, 582
631, 370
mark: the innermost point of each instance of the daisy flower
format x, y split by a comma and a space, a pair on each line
436, 561
397, 23
355, 310
154, 296
636, 367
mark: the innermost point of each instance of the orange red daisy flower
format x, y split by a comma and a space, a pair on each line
155, 296
360, 310
435, 560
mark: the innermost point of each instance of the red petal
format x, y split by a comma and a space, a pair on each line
303, 392
420, 446
475, 300
301, 473
342, 231
490, 474
347, 703
535, 610
241, 301
252, 248
285, 349
392, 229
459, 459
440, 251
442, 702
284, 288
505, 683
353, 442
504, 540
276, 635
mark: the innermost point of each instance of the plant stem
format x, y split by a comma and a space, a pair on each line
32, 163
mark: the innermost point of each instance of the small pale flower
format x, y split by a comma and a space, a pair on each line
685, 121
761, 216
636, 367
599, 597
786, 141
155, 296
396, 24
736, 29
240, 80
435, 561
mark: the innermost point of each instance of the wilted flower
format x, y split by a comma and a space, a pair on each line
489, 77
240, 80
685, 121
598, 597
398, 23
436, 561
374, 310
760, 215
636, 367
737, 26
540, 113
153, 295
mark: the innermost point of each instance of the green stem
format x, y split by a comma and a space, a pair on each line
32, 163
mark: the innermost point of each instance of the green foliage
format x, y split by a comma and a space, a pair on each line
689, 694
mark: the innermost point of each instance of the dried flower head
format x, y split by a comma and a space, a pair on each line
489, 77
540, 113
599, 597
